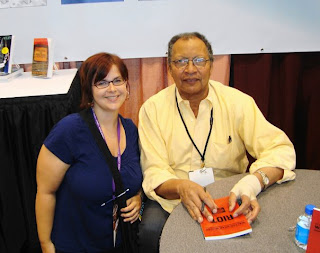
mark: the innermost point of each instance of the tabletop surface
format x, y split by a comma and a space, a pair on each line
26, 85
280, 207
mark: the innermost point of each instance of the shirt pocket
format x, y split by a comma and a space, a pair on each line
228, 156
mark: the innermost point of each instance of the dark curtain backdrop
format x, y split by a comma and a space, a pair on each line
286, 87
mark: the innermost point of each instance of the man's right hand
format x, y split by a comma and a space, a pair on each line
192, 196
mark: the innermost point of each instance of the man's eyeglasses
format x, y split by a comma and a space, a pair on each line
105, 84
197, 61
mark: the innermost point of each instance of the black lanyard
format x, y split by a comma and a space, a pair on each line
185, 126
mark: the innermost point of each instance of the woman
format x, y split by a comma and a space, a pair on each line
75, 196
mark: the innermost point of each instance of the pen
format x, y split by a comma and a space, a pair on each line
202, 204
114, 197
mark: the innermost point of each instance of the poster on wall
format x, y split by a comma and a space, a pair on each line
87, 1
142, 28
21, 3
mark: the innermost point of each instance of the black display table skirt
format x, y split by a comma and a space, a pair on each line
24, 124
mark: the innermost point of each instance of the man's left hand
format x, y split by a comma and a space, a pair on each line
246, 189
250, 208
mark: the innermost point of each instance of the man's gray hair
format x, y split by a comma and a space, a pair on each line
186, 36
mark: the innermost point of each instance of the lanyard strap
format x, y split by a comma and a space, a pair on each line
185, 126
118, 135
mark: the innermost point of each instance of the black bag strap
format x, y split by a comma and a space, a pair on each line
128, 233
88, 118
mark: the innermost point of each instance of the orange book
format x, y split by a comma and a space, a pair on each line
224, 225
42, 62
313, 245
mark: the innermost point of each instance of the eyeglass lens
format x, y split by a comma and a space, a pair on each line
104, 83
198, 62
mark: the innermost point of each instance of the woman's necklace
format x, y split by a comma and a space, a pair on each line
115, 217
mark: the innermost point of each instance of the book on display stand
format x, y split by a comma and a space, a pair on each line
42, 61
6, 53
8, 70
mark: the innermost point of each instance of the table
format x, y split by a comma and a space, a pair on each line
25, 121
280, 207
26, 86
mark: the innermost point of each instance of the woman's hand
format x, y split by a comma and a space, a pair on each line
48, 247
132, 211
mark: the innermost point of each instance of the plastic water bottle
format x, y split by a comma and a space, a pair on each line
303, 227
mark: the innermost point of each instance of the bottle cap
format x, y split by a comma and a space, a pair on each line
309, 209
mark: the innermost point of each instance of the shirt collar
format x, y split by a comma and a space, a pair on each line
209, 97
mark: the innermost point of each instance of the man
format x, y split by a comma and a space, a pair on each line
197, 131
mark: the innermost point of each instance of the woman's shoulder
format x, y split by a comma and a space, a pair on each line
68, 125
70, 119
61, 139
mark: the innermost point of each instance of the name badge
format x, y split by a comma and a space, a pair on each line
202, 176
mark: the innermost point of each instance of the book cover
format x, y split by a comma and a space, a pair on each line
42, 62
6, 53
313, 245
224, 225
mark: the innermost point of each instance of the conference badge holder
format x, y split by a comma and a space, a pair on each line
203, 176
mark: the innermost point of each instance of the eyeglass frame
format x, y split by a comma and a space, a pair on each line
107, 83
193, 62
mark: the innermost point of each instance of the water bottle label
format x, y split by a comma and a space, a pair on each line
302, 234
